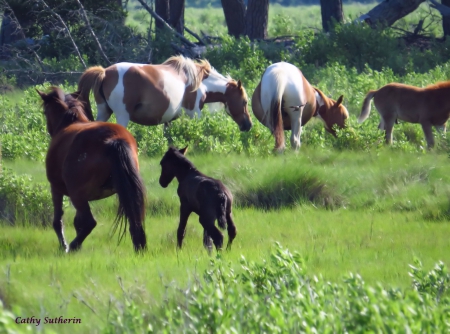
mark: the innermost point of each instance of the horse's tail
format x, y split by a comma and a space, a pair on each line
365, 111
222, 211
91, 79
275, 118
188, 68
131, 192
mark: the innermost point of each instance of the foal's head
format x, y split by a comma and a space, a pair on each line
332, 112
61, 110
236, 101
173, 163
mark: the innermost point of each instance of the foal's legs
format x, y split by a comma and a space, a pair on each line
428, 131
84, 223
208, 223
58, 212
231, 228
388, 127
185, 211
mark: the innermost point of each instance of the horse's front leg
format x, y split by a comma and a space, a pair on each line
84, 223
296, 128
185, 211
58, 212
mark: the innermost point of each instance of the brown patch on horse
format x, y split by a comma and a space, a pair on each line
429, 106
198, 193
144, 95
88, 161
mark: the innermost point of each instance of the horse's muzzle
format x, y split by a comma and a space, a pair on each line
246, 125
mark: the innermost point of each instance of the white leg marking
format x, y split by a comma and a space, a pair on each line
123, 118
296, 128
103, 115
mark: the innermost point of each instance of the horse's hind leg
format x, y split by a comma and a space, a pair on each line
388, 128
58, 212
428, 131
207, 222
104, 112
231, 228
207, 241
84, 224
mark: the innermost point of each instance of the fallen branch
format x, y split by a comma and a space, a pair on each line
159, 19
67, 29
195, 35
91, 31
444, 10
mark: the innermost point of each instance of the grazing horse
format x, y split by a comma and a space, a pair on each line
87, 161
155, 94
285, 100
429, 106
201, 194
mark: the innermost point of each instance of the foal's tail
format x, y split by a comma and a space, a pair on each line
91, 79
131, 192
365, 111
275, 103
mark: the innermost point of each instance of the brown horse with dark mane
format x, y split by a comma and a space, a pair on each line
429, 106
201, 194
87, 161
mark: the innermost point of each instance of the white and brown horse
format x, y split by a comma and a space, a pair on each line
285, 100
155, 94
429, 106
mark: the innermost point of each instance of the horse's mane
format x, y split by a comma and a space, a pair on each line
204, 67
188, 68
74, 110
183, 161
439, 85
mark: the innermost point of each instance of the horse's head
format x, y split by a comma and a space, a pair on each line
236, 101
171, 163
332, 112
61, 110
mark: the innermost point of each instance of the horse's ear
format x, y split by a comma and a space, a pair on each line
340, 99
183, 150
41, 94
239, 84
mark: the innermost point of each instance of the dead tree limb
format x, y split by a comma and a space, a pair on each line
91, 31
444, 10
195, 35
160, 20
389, 11
66, 28
13, 17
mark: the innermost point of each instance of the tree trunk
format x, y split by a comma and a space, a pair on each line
177, 15
446, 19
10, 33
234, 11
389, 11
162, 8
331, 11
256, 19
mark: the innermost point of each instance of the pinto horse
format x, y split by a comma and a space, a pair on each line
201, 194
429, 106
285, 100
87, 161
155, 94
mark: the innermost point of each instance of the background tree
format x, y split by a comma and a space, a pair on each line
331, 10
446, 19
171, 11
251, 21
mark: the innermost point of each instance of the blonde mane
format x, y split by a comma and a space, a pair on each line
188, 68
204, 68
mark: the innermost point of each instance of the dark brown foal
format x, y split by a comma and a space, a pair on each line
201, 194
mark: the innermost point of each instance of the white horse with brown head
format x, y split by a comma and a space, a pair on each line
285, 100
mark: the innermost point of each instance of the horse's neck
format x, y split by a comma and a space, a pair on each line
215, 83
182, 173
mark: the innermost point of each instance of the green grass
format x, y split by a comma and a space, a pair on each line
392, 208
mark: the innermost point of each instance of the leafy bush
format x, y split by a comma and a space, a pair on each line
21, 199
279, 296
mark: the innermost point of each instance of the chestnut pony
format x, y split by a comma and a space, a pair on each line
201, 194
429, 106
87, 161
285, 100
155, 94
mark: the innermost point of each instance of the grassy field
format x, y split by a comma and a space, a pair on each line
388, 209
